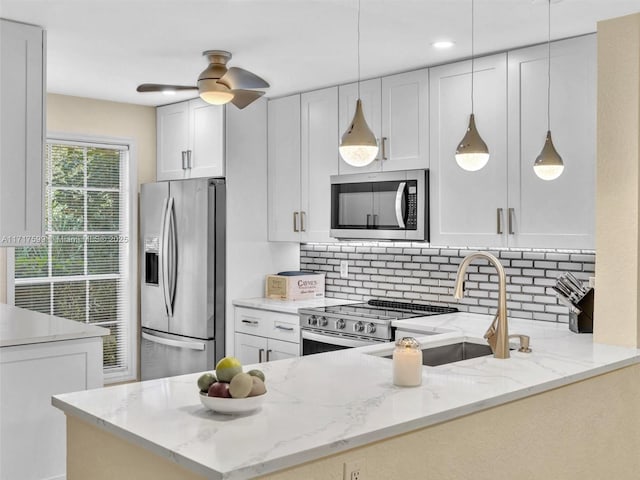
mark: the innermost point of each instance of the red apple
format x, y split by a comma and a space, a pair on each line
219, 389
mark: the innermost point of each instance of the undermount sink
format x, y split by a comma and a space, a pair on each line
454, 352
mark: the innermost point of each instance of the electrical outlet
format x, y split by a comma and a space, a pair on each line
344, 271
354, 470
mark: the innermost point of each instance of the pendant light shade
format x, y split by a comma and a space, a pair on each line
548, 165
359, 146
472, 153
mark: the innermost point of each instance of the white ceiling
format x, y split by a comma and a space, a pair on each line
105, 48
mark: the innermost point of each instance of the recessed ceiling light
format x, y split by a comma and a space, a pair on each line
442, 44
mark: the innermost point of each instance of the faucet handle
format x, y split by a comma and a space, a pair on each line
524, 342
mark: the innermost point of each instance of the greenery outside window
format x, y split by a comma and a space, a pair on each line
81, 270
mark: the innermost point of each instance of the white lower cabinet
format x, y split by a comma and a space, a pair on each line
32, 431
263, 336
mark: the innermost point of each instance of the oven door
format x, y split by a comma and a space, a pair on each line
320, 342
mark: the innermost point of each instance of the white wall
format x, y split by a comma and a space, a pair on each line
249, 255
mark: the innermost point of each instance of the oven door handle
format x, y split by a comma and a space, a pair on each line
336, 339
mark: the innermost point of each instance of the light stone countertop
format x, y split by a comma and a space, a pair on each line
19, 326
323, 404
289, 306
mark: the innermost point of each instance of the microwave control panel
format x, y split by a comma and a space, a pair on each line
412, 206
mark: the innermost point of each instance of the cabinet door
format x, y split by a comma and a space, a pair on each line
250, 349
284, 169
405, 121
319, 140
558, 213
465, 205
207, 139
279, 350
173, 140
22, 131
371, 104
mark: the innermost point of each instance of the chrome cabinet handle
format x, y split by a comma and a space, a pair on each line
295, 222
287, 329
302, 215
384, 149
368, 219
260, 354
184, 160
499, 220
269, 354
189, 163
510, 212
250, 322
375, 220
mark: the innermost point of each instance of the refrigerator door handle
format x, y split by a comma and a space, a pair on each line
173, 254
174, 343
165, 258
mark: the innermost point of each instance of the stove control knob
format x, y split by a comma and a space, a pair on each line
340, 324
371, 328
312, 320
323, 321
358, 327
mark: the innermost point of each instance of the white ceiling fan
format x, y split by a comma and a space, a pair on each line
218, 84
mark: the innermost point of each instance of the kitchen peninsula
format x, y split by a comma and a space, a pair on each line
546, 414
41, 355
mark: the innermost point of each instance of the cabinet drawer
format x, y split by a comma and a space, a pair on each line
281, 326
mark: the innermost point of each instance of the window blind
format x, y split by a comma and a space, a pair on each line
80, 270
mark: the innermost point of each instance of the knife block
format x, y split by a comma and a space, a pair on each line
583, 322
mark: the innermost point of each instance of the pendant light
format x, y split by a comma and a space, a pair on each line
358, 146
472, 153
548, 165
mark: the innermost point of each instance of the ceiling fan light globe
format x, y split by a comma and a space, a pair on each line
214, 93
472, 153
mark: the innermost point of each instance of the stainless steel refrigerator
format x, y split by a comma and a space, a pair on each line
182, 247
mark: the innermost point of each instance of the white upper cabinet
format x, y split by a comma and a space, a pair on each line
22, 130
468, 208
558, 213
319, 160
190, 140
303, 154
284, 169
370, 94
405, 121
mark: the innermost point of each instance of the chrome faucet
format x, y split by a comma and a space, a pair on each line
498, 333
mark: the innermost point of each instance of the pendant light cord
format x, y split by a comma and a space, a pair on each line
472, 52
358, 49
549, 66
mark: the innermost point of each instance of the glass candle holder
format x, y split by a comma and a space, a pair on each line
407, 363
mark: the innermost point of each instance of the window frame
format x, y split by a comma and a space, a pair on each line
131, 372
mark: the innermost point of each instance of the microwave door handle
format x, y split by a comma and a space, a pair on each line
399, 196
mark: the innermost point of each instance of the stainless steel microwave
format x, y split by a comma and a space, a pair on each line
382, 206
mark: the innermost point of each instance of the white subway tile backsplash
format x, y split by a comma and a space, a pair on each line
412, 272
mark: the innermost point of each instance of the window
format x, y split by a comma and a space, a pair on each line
81, 270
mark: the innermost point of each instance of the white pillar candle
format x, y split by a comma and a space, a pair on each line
407, 366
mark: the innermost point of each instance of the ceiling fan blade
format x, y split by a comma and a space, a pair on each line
242, 98
157, 87
239, 78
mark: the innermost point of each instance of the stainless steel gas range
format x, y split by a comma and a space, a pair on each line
325, 329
